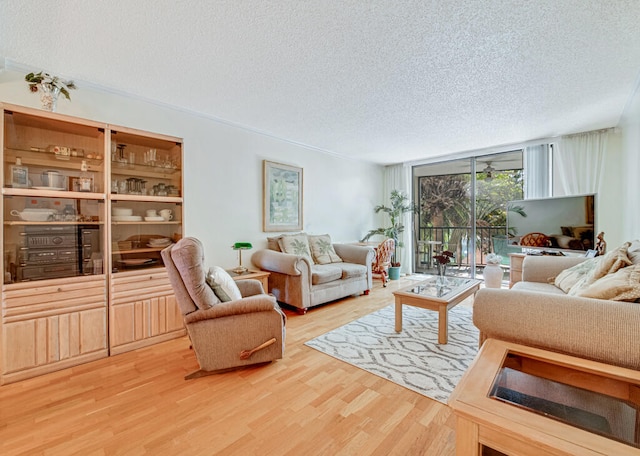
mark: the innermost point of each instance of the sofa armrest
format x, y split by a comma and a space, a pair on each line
542, 268
284, 263
597, 329
357, 254
257, 303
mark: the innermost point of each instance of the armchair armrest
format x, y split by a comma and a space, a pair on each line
250, 287
356, 254
284, 263
542, 268
257, 303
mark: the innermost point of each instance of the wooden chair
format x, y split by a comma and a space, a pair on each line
382, 261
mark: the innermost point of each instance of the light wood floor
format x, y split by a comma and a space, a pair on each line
304, 404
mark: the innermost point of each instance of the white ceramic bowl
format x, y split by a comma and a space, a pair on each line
121, 211
35, 215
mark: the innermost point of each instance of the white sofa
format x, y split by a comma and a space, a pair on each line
588, 321
306, 280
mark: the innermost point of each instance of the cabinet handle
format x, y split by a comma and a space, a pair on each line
59, 290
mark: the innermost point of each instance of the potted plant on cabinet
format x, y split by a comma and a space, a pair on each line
400, 205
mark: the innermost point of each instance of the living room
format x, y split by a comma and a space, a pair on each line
224, 204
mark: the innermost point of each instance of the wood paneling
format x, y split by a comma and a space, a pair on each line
143, 310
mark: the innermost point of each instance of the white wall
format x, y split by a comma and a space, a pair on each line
630, 170
223, 171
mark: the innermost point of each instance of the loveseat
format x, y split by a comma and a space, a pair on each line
308, 270
583, 307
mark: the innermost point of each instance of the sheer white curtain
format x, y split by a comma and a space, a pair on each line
537, 168
398, 177
580, 161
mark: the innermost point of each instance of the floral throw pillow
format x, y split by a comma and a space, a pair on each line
295, 244
322, 250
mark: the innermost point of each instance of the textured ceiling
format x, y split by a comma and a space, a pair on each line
382, 81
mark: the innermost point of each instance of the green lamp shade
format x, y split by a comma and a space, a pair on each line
242, 246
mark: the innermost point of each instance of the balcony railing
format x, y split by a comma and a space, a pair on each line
458, 239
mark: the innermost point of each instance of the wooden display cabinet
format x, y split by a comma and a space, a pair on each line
69, 267
145, 196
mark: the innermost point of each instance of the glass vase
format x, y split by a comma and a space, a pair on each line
49, 97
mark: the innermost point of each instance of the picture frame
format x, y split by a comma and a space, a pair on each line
282, 197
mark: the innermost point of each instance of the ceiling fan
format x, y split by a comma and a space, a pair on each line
489, 172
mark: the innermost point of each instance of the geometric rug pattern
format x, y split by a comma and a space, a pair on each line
412, 358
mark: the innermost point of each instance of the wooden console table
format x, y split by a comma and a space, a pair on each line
490, 424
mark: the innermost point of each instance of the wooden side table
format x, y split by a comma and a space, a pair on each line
484, 422
262, 276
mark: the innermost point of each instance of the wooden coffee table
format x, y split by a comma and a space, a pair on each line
438, 294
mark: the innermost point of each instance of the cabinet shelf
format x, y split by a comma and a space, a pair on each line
35, 193
145, 198
49, 159
171, 222
21, 222
140, 250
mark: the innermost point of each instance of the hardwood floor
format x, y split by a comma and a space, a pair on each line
304, 404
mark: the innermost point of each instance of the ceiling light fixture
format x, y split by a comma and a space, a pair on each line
489, 172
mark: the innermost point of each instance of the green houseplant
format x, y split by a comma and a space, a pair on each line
400, 205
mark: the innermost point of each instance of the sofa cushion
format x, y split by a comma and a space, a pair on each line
622, 285
222, 278
188, 256
322, 250
324, 273
295, 244
537, 287
351, 270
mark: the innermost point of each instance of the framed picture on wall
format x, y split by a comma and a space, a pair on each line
282, 197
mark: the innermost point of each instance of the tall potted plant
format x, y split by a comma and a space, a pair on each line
400, 205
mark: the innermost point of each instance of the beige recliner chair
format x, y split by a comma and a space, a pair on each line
224, 335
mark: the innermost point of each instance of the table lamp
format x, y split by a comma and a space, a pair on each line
240, 246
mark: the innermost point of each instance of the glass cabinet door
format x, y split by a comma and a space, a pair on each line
140, 230
46, 154
53, 202
145, 196
145, 165
51, 237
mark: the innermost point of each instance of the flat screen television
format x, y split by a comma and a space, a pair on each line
558, 223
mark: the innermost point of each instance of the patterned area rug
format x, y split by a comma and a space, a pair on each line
412, 358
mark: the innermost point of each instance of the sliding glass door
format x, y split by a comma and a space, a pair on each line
462, 209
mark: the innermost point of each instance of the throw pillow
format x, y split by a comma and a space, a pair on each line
606, 264
217, 288
322, 250
570, 276
295, 244
634, 252
222, 277
623, 285
273, 243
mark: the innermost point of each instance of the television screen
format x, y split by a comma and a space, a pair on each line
565, 223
